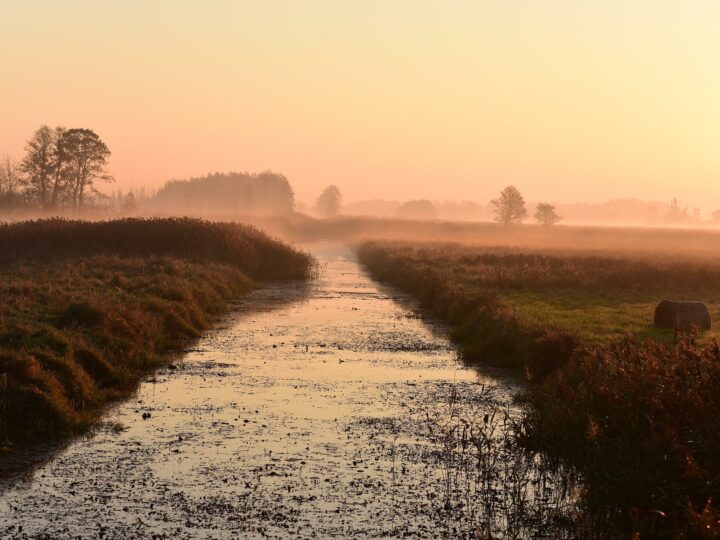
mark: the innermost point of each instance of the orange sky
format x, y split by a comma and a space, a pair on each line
570, 100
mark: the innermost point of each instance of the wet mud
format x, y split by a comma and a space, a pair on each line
327, 410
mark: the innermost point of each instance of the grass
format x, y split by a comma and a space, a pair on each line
593, 297
628, 241
635, 410
597, 319
243, 247
87, 308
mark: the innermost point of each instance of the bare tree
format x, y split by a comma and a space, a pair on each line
510, 207
329, 202
87, 157
10, 177
546, 215
676, 214
38, 165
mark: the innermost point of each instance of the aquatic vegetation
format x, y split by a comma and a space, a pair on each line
636, 418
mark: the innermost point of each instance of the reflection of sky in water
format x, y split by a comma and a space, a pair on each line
290, 418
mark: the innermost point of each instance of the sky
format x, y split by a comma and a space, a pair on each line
569, 100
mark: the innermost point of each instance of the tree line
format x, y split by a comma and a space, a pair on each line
59, 170
509, 208
233, 193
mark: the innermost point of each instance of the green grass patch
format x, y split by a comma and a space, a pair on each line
599, 318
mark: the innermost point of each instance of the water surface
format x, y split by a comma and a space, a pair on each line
311, 411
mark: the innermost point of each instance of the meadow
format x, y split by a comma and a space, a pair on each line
628, 241
87, 308
632, 408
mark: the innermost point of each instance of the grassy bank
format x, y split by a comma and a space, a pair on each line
87, 308
638, 418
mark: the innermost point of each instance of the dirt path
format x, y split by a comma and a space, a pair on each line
309, 412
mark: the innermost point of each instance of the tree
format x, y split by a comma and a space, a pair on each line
329, 202
128, 204
716, 216
546, 215
58, 182
9, 177
510, 207
676, 214
419, 209
87, 158
10, 180
38, 165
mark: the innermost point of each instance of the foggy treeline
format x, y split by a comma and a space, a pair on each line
616, 211
61, 170
233, 193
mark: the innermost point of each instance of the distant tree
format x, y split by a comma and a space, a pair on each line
329, 202
716, 216
233, 193
510, 207
38, 165
10, 179
128, 203
419, 209
546, 215
87, 159
675, 214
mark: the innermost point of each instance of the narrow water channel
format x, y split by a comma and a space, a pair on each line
322, 410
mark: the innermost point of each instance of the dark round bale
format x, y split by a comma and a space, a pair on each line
683, 315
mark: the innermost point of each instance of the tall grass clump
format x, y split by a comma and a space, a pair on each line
87, 308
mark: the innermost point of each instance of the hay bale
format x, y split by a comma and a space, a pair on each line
682, 315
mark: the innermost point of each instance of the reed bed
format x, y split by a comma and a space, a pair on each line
241, 246
87, 308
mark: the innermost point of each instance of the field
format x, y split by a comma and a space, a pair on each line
637, 417
87, 308
685, 242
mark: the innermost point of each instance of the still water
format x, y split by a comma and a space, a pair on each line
321, 410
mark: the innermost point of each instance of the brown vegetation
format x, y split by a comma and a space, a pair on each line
640, 421
637, 419
240, 246
88, 307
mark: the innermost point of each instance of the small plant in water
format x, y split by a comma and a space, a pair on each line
492, 487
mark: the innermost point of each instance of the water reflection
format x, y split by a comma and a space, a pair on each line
312, 411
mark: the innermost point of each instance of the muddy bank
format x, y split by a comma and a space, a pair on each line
328, 410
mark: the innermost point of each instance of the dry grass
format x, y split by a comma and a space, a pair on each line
637, 418
241, 246
640, 420
78, 328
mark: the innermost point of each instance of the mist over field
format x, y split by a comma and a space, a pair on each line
318, 269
